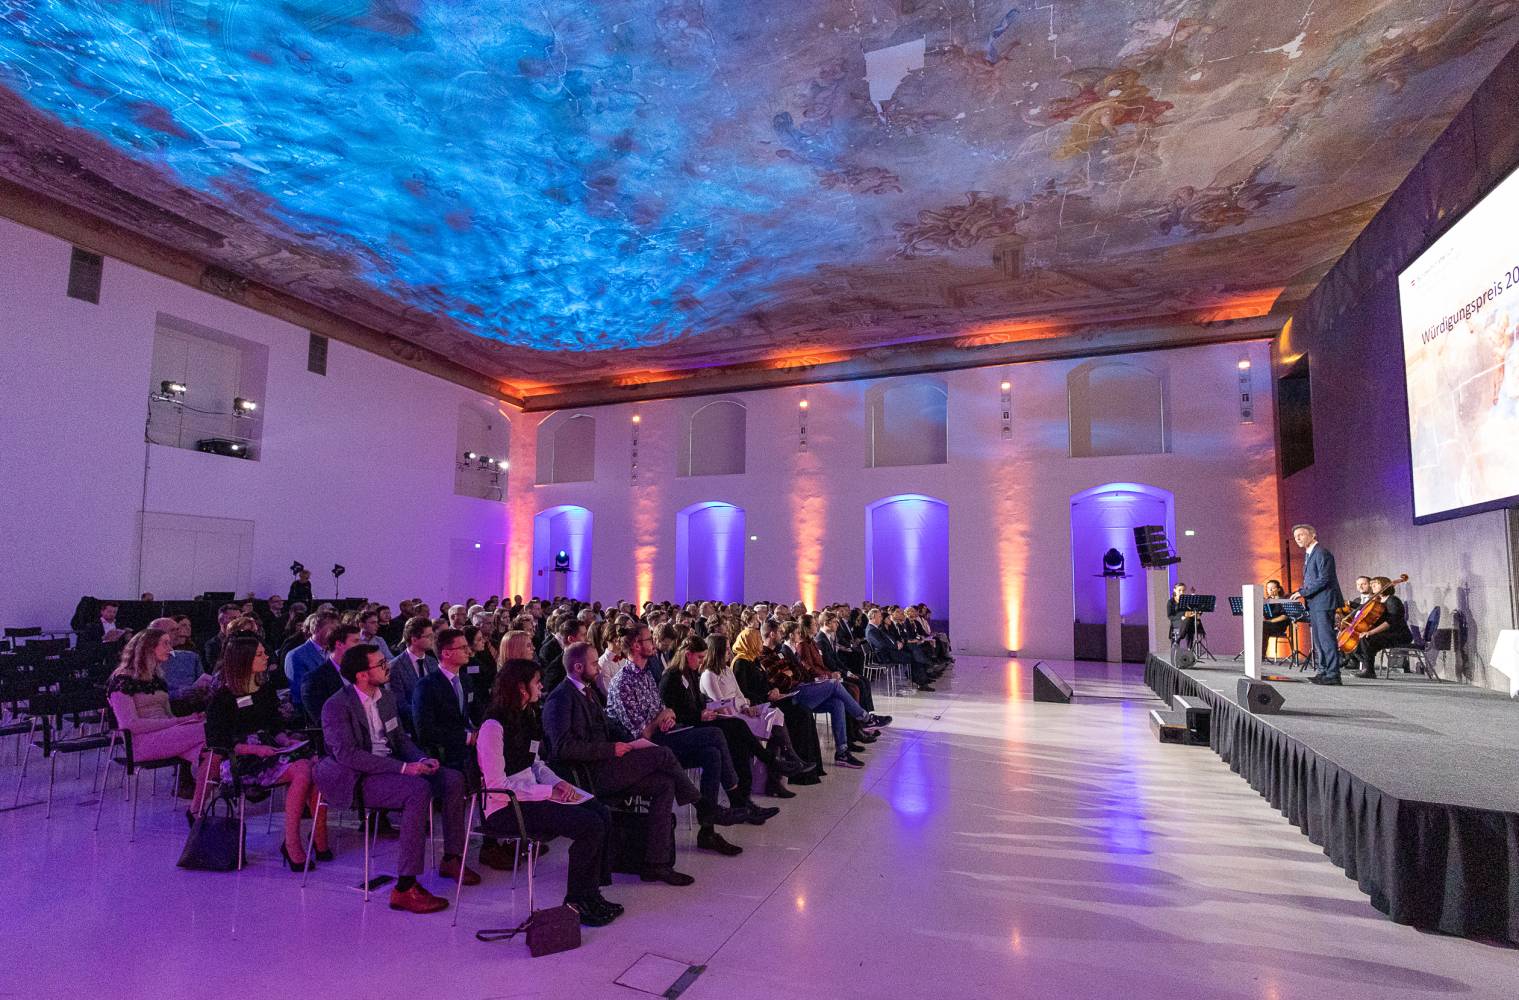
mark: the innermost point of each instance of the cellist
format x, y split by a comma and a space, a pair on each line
1392, 630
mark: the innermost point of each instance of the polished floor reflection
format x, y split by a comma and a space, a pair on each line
991, 847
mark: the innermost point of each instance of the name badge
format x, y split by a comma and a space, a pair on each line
246, 701
532, 748
473, 668
469, 697
390, 725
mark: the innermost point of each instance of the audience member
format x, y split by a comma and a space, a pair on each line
443, 705
103, 631
245, 727
309, 654
300, 590
410, 665
370, 757
368, 622
326, 679
138, 694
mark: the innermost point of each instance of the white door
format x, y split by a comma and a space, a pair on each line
184, 556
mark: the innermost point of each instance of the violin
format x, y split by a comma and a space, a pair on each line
1368, 617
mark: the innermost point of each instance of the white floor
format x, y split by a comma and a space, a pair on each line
991, 847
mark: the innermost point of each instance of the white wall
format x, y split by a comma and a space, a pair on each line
1009, 499
355, 467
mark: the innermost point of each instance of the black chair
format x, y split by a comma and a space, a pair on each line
521, 842
48, 711
46, 647
1422, 643
132, 769
15, 634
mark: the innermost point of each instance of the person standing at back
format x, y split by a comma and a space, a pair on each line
1321, 592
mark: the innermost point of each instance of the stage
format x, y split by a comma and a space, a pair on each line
1411, 787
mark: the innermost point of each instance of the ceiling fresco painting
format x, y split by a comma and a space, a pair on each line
618, 191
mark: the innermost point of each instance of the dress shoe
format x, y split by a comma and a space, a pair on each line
811, 778
416, 900
923, 687
498, 856
709, 839
592, 913
759, 814
877, 721
667, 875
719, 816
777, 789
449, 869
868, 736
1321, 679
322, 854
789, 766
848, 760
1368, 674
615, 908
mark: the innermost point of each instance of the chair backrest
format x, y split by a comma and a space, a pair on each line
47, 647
23, 633
1431, 626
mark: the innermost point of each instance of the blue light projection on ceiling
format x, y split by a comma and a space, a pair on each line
547, 178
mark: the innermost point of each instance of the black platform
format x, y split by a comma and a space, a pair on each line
1411, 787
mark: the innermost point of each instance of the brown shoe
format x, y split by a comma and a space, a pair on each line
449, 869
416, 900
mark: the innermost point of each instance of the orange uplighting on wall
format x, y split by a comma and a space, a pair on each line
1012, 553
1011, 332
809, 510
645, 540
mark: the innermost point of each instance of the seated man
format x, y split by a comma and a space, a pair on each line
634, 702
369, 756
575, 733
309, 654
368, 622
551, 653
189, 684
326, 679
442, 704
411, 664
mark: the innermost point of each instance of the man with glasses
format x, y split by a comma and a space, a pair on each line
442, 703
411, 665
369, 633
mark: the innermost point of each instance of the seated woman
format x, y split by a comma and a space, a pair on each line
517, 644
507, 749
720, 688
1275, 627
139, 697
810, 657
754, 683
680, 690
244, 720
480, 671
1186, 626
1392, 630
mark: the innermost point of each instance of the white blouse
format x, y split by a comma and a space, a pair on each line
534, 783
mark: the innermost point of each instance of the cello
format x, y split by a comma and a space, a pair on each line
1366, 618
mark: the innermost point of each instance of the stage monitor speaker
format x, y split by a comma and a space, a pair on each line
1199, 717
1258, 698
1049, 687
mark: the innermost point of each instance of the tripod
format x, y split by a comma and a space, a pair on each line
1199, 604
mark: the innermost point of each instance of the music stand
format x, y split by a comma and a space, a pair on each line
1295, 611
1237, 609
1202, 604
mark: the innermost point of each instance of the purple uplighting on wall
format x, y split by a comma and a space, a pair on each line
1103, 518
709, 552
907, 552
566, 529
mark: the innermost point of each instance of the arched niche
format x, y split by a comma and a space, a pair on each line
715, 441
709, 552
567, 529
567, 448
1102, 518
907, 552
908, 422
482, 431
1116, 408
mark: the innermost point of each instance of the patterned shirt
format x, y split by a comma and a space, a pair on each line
633, 698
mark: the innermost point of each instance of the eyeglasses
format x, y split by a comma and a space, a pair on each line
457, 648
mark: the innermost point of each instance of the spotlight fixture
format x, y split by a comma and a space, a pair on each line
561, 560
1007, 408
297, 568
502, 464
243, 407
170, 391
1112, 563
802, 404
470, 456
801, 424
338, 569
1006, 386
637, 419
1244, 365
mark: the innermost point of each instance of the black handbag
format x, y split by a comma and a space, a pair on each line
213, 842
548, 931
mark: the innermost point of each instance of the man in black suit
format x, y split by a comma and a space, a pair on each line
551, 653
323, 681
575, 733
1321, 592
890, 650
441, 705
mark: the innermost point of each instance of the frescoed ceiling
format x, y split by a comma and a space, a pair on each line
575, 193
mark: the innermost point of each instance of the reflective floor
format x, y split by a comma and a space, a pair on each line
991, 847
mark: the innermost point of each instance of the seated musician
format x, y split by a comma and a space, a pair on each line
1185, 625
1278, 626
1363, 594
1392, 630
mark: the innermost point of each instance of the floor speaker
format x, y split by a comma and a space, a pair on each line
1258, 698
1049, 687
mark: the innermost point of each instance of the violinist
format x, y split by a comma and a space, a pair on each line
1279, 626
1392, 630
1185, 625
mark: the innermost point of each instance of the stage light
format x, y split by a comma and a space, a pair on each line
1244, 365
502, 464
1112, 563
470, 456
1006, 386
297, 568
477, 545
235, 447
561, 559
753, 538
637, 419
243, 407
171, 390
1189, 533
338, 569
802, 404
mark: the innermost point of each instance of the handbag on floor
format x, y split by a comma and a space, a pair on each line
548, 931
212, 845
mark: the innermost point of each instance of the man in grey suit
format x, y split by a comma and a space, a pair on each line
369, 756
410, 665
1321, 592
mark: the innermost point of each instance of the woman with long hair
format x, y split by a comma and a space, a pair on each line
721, 691
516, 645
245, 726
750, 668
507, 749
138, 694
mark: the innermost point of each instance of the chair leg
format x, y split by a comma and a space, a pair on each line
469, 828
364, 819
52, 776
269, 826
25, 759
242, 810
136, 794
311, 840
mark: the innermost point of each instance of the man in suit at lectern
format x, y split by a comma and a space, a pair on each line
1321, 592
